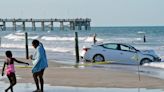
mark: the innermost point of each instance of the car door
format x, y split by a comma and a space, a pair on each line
111, 52
127, 54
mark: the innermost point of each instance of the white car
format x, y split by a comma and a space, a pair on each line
118, 52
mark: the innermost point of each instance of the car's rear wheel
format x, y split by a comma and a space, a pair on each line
98, 58
146, 60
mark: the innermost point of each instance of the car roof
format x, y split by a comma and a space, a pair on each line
115, 43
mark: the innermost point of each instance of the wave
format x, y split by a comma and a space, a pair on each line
59, 49
57, 38
22, 46
51, 38
14, 37
14, 45
19, 36
155, 64
90, 39
141, 32
120, 40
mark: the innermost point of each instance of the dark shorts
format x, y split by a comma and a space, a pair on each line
11, 74
39, 73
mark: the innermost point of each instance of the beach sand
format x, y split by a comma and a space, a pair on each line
66, 75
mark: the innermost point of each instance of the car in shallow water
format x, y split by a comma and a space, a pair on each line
119, 53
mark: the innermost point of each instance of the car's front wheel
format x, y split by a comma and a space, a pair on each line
146, 60
98, 58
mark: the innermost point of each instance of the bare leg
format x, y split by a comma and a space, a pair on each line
35, 75
41, 83
41, 80
12, 79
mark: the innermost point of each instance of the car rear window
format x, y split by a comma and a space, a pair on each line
110, 46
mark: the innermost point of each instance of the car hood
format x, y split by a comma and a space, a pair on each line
149, 52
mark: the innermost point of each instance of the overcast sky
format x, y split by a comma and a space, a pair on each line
102, 12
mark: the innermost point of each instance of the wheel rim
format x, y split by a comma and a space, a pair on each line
98, 58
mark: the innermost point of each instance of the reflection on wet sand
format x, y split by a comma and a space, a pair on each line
29, 87
95, 78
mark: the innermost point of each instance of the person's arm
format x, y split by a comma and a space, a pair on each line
3, 68
37, 56
20, 61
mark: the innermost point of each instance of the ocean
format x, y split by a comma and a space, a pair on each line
60, 47
60, 44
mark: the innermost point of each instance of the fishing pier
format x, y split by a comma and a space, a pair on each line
73, 24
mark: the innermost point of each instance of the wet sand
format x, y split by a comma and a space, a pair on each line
65, 75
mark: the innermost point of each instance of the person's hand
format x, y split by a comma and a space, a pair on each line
31, 56
27, 64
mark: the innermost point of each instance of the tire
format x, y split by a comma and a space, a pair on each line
98, 58
146, 60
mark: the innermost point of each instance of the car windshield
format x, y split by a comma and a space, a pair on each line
128, 48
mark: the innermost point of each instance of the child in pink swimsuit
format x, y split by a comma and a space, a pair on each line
10, 70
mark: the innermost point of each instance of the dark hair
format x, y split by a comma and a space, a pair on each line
35, 42
8, 53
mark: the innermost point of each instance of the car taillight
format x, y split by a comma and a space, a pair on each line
85, 49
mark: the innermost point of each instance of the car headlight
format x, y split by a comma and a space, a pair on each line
157, 59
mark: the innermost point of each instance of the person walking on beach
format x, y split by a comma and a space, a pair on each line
40, 63
10, 70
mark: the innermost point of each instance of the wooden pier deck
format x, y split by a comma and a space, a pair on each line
74, 24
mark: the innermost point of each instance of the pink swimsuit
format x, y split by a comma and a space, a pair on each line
10, 67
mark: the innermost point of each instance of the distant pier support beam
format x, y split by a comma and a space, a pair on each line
4, 25
24, 27
72, 26
52, 26
14, 25
61, 25
33, 25
42, 24
79, 27
1, 27
87, 26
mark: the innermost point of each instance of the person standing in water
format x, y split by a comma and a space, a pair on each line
144, 38
10, 70
40, 63
94, 38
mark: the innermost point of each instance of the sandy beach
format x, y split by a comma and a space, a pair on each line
66, 75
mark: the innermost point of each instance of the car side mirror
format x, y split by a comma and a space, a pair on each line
137, 50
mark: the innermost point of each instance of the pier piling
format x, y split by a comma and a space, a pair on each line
4, 25
52, 28
42, 25
33, 26
23, 23
77, 48
26, 45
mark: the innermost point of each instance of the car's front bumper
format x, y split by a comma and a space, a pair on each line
157, 59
